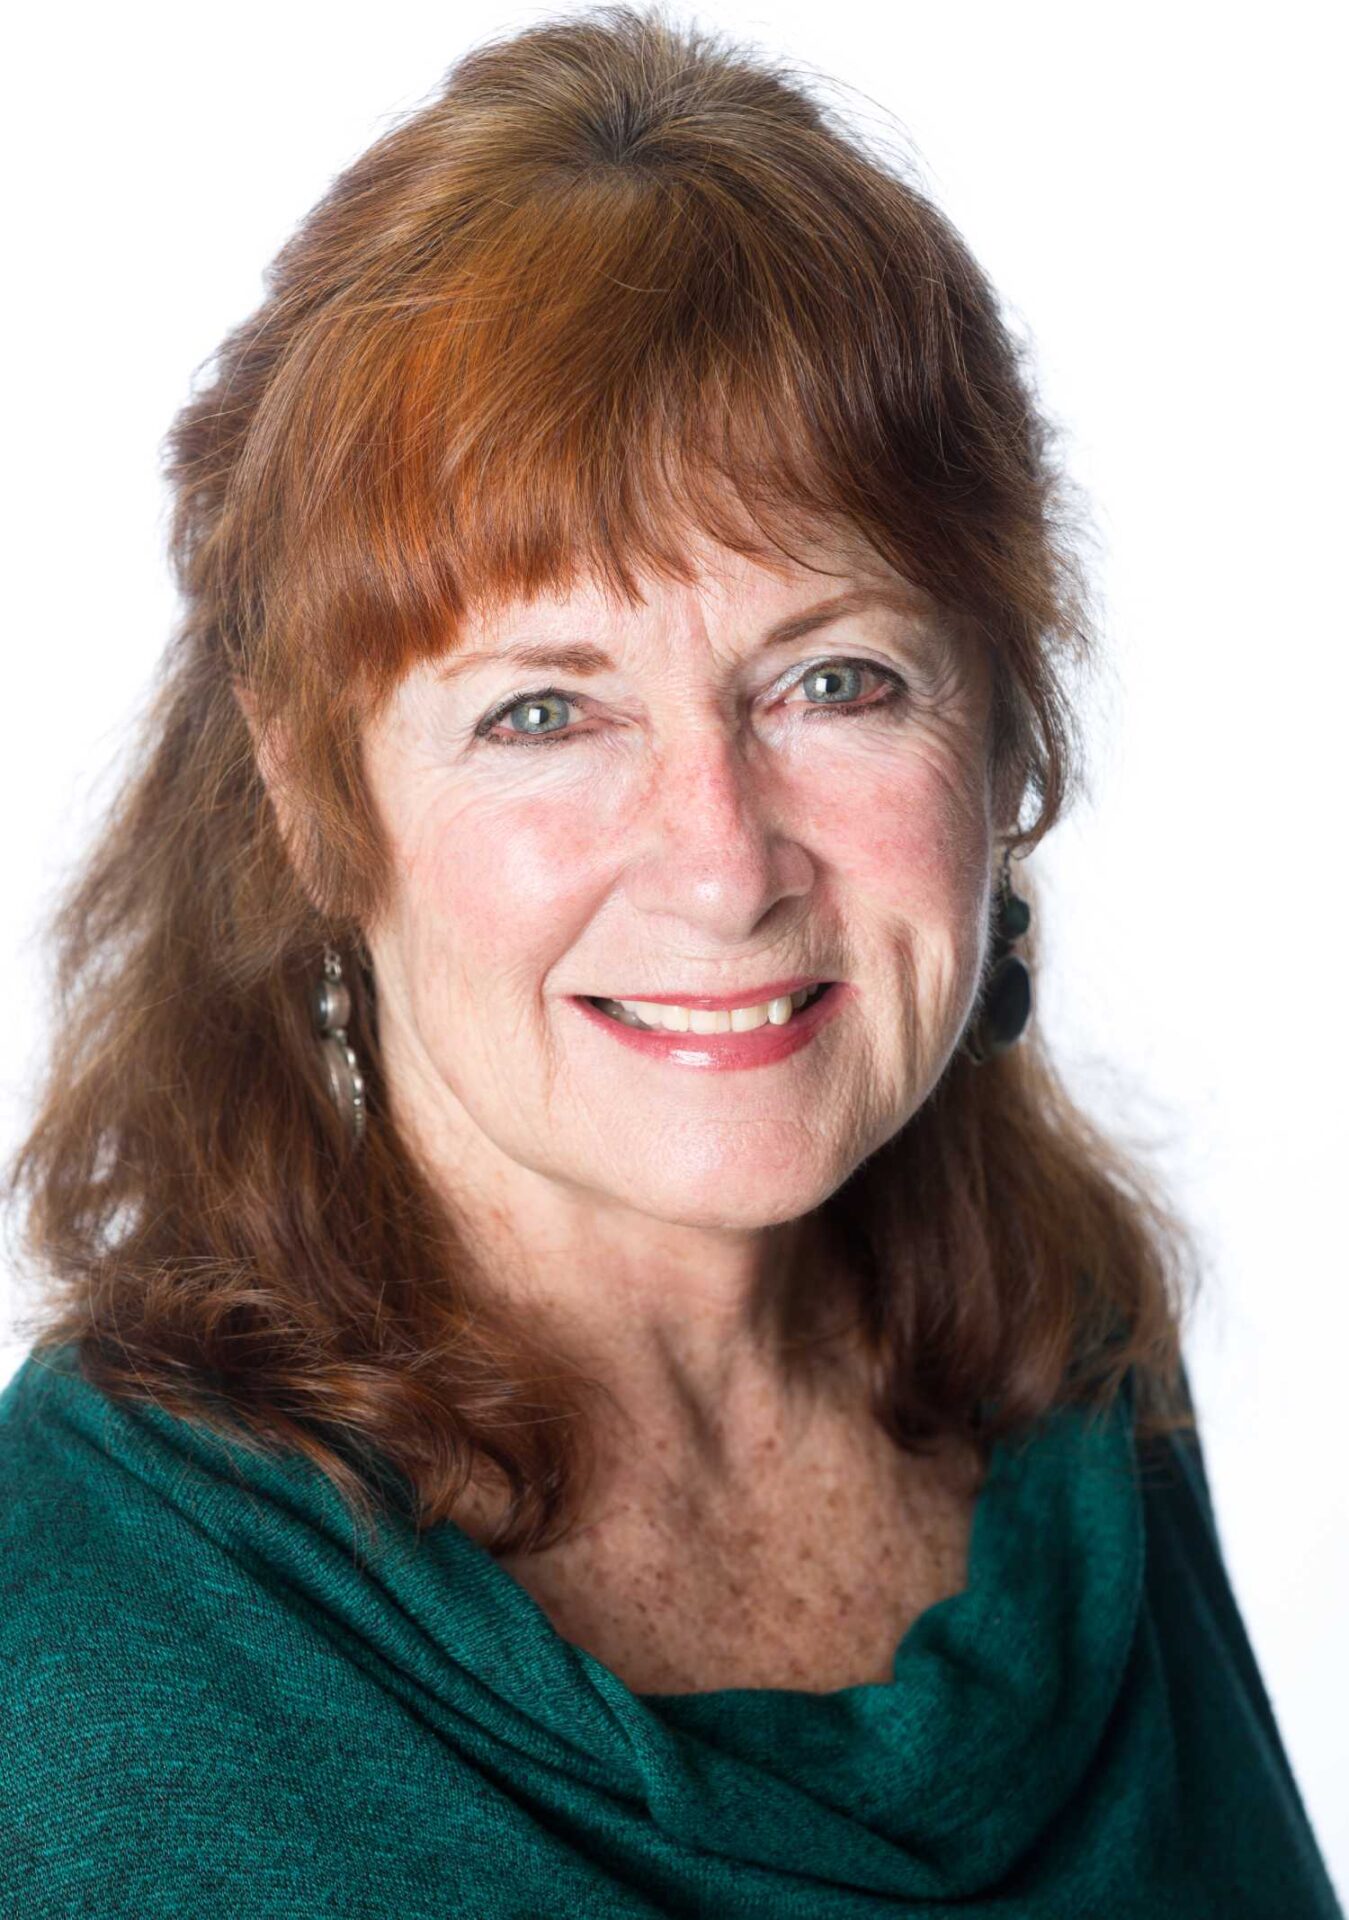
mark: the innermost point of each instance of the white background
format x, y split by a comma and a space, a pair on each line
1156, 193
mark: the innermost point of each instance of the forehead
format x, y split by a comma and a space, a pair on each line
832, 569
794, 575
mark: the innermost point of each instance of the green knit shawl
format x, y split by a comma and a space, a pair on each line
216, 1708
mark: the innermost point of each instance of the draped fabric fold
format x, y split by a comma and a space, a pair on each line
214, 1704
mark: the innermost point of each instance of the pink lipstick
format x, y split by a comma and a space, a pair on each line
759, 1047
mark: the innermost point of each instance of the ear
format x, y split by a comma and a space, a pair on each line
1007, 794
269, 751
248, 706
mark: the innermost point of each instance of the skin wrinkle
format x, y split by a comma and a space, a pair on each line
748, 1522
692, 832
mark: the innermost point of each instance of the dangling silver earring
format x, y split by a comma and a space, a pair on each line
332, 1011
1006, 1004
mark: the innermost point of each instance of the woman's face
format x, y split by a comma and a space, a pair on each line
692, 819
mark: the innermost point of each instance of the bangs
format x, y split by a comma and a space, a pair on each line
580, 385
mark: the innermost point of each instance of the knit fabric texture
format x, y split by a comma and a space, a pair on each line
216, 1704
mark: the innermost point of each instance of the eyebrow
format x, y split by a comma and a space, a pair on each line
582, 660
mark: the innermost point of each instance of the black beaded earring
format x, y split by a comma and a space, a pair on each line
1006, 1003
332, 1011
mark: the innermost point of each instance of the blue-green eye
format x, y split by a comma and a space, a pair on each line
534, 706
814, 677
821, 678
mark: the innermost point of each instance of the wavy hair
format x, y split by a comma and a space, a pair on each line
613, 281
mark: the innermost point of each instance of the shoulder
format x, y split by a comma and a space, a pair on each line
1187, 1567
159, 1684
73, 1625
60, 1531
75, 1514
94, 1659
212, 1704
1223, 1725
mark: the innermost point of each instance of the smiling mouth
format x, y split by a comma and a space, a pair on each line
695, 1020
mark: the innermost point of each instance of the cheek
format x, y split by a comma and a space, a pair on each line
918, 838
919, 857
495, 886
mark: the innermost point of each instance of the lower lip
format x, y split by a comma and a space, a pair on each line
760, 1047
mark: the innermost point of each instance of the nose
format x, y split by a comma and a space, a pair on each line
714, 852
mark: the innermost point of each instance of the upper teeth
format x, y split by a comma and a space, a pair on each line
708, 1020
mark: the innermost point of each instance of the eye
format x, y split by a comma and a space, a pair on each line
822, 677
825, 675
532, 704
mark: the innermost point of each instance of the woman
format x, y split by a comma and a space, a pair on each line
621, 1172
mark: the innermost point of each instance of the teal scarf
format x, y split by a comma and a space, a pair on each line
215, 1708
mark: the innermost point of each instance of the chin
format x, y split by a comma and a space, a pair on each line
733, 1201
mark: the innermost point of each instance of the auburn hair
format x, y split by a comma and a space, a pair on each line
615, 280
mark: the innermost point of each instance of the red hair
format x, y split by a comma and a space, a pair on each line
614, 281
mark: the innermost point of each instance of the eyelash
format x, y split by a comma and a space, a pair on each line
855, 709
